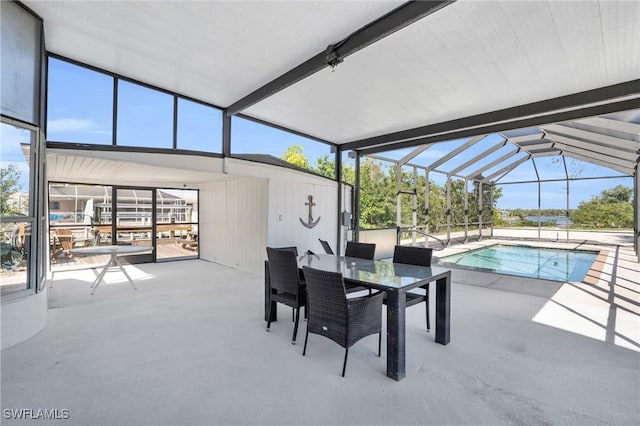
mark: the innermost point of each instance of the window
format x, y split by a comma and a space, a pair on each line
176, 223
20, 62
21, 152
16, 224
249, 137
80, 104
199, 127
145, 117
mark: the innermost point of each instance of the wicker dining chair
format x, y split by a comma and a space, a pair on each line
286, 286
333, 315
326, 246
360, 250
420, 256
290, 248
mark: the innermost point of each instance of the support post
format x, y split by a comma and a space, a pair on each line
539, 206
338, 175
356, 203
636, 213
398, 195
492, 188
466, 210
427, 189
480, 199
414, 214
448, 210
566, 174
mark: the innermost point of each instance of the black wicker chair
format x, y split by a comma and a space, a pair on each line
360, 250
331, 314
419, 256
291, 248
286, 285
326, 246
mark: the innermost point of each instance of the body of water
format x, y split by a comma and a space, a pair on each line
558, 220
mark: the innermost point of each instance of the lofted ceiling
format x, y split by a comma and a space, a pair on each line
464, 66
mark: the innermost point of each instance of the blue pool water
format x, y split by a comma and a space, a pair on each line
533, 262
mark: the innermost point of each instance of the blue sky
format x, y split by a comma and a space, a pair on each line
80, 110
11, 152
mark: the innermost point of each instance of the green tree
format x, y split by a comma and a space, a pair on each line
437, 207
325, 167
9, 184
612, 209
377, 195
604, 215
295, 155
617, 194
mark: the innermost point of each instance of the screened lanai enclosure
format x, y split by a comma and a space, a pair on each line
449, 192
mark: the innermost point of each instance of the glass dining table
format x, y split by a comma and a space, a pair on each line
395, 280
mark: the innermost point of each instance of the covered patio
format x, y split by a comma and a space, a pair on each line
126, 357
359, 80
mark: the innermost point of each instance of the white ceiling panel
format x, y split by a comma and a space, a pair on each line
466, 59
212, 51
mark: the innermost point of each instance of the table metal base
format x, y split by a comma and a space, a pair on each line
113, 262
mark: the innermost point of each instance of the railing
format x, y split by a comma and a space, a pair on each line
400, 230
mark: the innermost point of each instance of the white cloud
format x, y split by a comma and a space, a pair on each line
71, 125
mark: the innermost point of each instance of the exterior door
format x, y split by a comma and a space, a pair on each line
133, 212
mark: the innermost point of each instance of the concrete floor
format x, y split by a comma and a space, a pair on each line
189, 348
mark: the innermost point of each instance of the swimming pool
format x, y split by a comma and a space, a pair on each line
534, 262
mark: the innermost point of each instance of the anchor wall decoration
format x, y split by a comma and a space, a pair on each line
311, 223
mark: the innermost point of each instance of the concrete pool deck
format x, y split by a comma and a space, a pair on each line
189, 347
605, 304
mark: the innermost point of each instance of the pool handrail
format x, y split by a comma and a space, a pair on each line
443, 245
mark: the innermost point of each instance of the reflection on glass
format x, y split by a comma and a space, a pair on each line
16, 170
79, 104
15, 232
20, 59
14, 256
145, 117
199, 127
79, 216
134, 217
176, 223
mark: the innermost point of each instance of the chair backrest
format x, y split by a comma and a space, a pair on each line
65, 237
283, 270
326, 246
327, 301
63, 231
409, 255
292, 248
360, 250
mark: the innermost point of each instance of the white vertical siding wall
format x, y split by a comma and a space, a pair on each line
287, 198
261, 207
233, 223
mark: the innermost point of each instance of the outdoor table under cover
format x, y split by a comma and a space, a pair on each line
113, 251
395, 280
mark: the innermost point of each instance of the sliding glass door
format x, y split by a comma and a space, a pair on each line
134, 212
176, 224
92, 215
